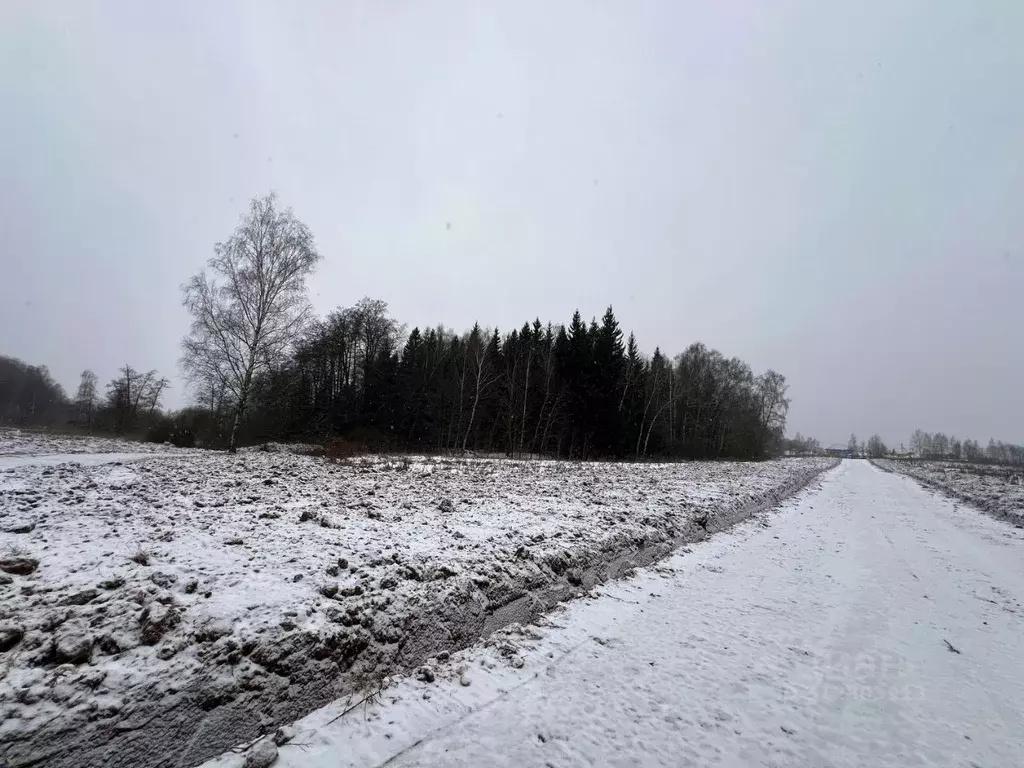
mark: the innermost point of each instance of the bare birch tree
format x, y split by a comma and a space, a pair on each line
86, 398
476, 348
250, 308
533, 339
773, 405
134, 394
658, 398
154, 392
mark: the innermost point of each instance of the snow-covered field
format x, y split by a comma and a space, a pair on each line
19, 448
868, 622
995, 489
155, 610
21, 443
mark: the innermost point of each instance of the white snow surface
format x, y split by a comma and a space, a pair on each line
868, 622
85, 459
998, 490
22, 443
185, 601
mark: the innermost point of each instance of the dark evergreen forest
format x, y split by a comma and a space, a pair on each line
576, 391
357, 376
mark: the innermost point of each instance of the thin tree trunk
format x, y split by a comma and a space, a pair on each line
540, 416
243, 396
233, 441
547, 427
671, 407
625, 385
643, 417
511, 410
650, 429
462, 396
526, 398
476, 398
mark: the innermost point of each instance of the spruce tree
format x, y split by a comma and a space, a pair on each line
606, 385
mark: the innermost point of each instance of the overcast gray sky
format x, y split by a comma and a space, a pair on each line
832, 189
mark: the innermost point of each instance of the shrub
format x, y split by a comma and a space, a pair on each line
141, 557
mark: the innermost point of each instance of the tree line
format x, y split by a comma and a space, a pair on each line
809, 446
29, 395
937, 445
576, 390
261, 367
874, 448
130, 404
802, 446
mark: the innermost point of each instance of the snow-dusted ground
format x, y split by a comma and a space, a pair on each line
995, 489
155, 611
21, 443
869, 622
85, 459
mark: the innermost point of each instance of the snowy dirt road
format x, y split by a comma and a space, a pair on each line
866, 622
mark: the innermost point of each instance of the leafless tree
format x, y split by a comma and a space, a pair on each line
133, 393
153, 392
86, 398
480, 370
250, 308
509, 384
876, 448
773, 403
956, 447
375, 329
546, 415
533, 339
657, 398
972, 451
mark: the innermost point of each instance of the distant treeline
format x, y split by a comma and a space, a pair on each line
29, 395
940, 446
262, 369
130, 404
576, 391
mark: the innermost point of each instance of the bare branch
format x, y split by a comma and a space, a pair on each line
248, 314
